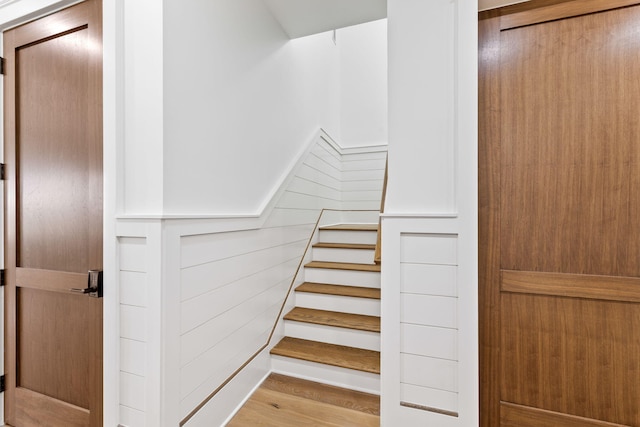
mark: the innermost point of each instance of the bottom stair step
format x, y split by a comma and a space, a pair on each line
329, 354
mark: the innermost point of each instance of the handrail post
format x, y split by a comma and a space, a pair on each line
378, 254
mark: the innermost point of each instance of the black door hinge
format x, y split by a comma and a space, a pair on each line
1, 171
2, 277
1, 65
2, 384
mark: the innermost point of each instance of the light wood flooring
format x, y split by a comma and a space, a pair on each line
283, 401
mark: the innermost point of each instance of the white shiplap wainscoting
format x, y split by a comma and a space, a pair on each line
200, 298
428, 342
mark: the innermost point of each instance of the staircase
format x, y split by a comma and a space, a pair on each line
332, 335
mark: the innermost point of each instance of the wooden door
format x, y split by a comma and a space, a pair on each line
560, 214
53, 156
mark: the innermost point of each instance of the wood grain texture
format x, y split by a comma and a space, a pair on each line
41, 316
269, 408
329, 354
345, 398
489, 217
512, 415
333, 318
49, 280
561, 10
525, 6
53, 218
570, 160
572, 356
38, 410
9, 44
53, 169
343, 266
610, 288
344, 245
339, 290
559, 178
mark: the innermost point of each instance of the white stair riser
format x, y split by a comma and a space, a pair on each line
346, 236
326, 374
358, 256
342, 277
366, 306
332, 335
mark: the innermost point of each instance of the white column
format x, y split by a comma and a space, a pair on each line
429, 253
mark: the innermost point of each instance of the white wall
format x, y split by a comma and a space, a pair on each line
422, 68
363, 84
239, 97
141, 106
429, 330
199, 297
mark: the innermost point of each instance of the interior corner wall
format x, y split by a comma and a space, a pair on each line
363, 84
240, 100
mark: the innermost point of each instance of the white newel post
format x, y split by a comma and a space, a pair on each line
429, 253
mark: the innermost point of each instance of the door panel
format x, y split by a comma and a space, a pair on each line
570, 153
560, 203
53, 152
56, 147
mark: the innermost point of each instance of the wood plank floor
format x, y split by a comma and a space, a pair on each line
283, 401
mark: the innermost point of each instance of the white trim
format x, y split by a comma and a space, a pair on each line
419, 215
247, 397
112, 96
29, 10
186, 216
5, 3
495, 4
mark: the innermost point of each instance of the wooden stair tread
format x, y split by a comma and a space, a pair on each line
344, 266
345, 246
337, 319
351, 227
329, 354
338, 396
339, 290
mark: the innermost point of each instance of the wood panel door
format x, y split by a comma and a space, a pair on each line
560, 214
53, 156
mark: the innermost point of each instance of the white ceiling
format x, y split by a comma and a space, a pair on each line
301, 18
